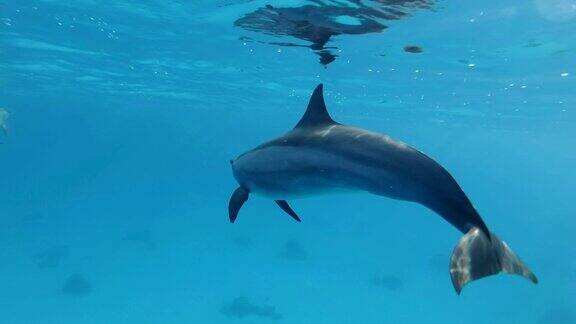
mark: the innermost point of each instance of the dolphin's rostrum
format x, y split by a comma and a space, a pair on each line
320, 155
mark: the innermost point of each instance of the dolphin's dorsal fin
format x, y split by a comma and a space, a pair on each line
316, 114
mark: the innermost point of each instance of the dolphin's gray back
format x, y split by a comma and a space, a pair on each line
312, 160
381, 159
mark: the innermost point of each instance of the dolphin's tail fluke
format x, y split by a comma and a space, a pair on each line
477, 257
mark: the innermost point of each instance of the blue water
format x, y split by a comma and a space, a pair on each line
123, 116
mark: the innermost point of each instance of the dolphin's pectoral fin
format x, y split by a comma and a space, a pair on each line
285, 207
238, 199
477, 257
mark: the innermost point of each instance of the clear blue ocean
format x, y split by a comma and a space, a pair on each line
121, 118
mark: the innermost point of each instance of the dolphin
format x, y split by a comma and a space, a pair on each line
320, 155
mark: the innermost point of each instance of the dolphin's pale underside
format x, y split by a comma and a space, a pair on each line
320, 155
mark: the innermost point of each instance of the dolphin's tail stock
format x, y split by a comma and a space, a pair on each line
477, 257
